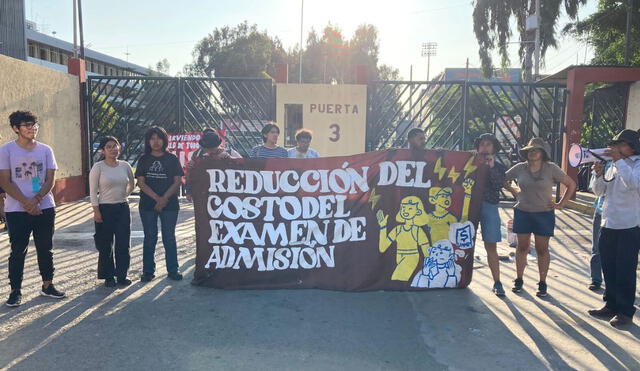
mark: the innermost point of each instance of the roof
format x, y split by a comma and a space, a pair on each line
64, 45
560, 77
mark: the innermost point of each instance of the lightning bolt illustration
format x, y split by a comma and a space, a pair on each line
438, 169
453, 175
373, 199
469, 167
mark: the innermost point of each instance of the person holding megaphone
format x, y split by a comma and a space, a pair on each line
619, 239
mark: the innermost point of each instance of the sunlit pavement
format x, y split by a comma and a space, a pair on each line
169, 325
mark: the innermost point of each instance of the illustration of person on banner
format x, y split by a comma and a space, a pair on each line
439, 223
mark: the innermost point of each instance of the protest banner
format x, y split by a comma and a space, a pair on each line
392, 220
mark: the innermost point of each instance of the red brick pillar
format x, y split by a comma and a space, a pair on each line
282, 73
574, 114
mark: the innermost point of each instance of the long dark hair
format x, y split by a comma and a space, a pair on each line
161, 133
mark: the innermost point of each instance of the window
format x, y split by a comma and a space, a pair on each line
93, 67
32, 50
54, 56
292, 123
43, 54
110, 71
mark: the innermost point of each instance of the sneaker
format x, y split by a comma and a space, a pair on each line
621, 320
603, 312
124, 282
517, 285
147, 277
498, 289
174, 276
51, 292
595, 286
542, 289
15, 298
110, 282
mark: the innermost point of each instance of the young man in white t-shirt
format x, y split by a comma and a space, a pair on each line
27, 174
303, 141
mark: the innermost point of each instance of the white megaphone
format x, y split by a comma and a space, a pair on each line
579, 155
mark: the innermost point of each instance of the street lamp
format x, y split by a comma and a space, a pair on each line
429, 49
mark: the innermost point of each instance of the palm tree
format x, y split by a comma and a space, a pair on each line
492, 27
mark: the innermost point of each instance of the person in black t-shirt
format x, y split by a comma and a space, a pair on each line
159, 176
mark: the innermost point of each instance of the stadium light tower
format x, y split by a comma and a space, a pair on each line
429, 49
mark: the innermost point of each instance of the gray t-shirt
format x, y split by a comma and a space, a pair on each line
536, 189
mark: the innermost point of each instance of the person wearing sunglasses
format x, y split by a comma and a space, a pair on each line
27, 174
619, 239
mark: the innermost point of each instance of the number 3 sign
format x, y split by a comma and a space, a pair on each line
335, 134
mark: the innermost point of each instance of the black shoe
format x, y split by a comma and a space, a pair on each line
621, 320
542, 289
51, 292
498, 289
110, 282
517, 285
15, 298
124, 282
147, 277
174, 276
604, 312
594, 286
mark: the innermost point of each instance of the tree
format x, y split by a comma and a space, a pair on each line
241, 51
160, 69
605, 30
492, 27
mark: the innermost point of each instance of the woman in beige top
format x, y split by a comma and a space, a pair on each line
111, 181
534, 211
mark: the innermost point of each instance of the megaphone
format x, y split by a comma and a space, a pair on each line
579, 155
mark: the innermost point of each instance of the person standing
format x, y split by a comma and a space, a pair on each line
487, 145
534, 211
159, 176
270, 148
619, 240
303, 141
209, 148
416, 139
595, 263
27, 175
111, 181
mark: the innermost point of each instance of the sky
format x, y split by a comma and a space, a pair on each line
146, 31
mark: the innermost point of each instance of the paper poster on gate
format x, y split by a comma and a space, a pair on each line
392, 220
184, 145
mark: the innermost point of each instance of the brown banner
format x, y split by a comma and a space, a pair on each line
387, 220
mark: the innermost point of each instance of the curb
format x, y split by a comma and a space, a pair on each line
581, 207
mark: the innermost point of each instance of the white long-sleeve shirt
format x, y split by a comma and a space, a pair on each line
621, 207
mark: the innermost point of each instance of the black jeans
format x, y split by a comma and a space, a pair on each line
21, 224
116, 221
619, 255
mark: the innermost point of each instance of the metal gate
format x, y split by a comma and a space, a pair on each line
605, 109
454, 113
126, 107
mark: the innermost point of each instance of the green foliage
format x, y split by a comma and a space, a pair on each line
106, 114
605, 30
492, 20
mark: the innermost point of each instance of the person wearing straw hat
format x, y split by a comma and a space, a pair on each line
619, 239
534, 210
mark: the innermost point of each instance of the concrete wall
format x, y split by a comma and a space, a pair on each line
335, 113
54, 97
633, 107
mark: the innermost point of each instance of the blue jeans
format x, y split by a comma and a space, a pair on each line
596, 265
168, 221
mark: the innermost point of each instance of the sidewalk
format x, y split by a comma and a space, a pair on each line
174, 325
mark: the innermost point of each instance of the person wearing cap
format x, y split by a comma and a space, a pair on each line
210, 147
619, 239
534, 210
487, 145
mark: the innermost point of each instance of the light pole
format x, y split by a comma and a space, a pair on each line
429, 49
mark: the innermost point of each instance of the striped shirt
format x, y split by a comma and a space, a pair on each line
264, 152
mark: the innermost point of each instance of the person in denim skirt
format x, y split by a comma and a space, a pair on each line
534, 211
159, 176
111, 181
